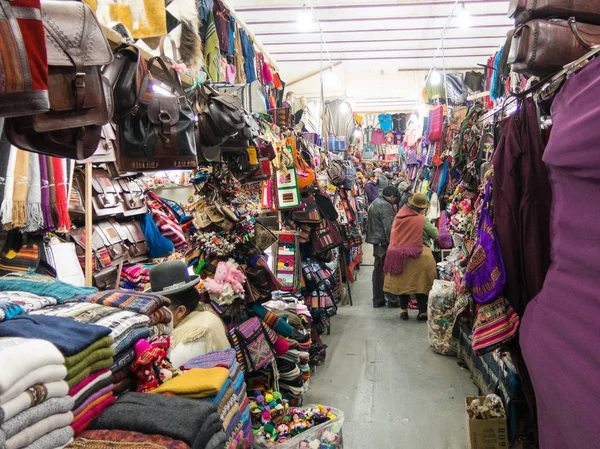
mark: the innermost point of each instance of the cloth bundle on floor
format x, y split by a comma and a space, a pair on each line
35, 411
114, 439
191, 421
39, 284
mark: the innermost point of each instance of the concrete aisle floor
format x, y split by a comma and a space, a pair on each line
395, 392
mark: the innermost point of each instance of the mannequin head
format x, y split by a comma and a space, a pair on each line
290, 97
303, 102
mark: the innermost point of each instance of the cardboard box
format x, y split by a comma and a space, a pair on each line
486, 433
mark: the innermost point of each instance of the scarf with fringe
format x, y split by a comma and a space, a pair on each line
45, 194
7, 201
60, 187
406, 240
21, 184
35, 217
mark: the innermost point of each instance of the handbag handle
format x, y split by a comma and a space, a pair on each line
163, 39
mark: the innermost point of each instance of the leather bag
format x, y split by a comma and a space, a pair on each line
136, 241
106, 148
542, 47
587, 11
325, 237
80, 101
133, 196
24, 87
110, 232
159, 135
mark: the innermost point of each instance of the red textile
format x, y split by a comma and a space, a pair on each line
62, 205
406, 240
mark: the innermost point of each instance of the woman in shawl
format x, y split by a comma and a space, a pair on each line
409, 264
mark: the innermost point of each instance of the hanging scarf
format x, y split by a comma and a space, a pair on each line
238, 58
45, 194
62, 204
406, 240
4, 155
19, 214
52, 182
7, 201
212, 55
35, 218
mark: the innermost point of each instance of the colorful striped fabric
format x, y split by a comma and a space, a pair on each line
9, 310
144, 303
119, 439
223, 359
495, 324
42, 285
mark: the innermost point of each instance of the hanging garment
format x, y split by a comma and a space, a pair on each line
378, 137
222, 19
559, 331
238, 58
249, 56
212, 56
385, 122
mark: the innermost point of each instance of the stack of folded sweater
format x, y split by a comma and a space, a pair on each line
39, 284
35, 409
88, 355
135, 277
232, 400
195, 423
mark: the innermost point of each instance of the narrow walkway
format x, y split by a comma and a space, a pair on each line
395, 392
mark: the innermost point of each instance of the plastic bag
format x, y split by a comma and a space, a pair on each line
441, 317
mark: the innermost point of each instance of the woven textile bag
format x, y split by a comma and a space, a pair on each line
485, 274
495, 324
252, 345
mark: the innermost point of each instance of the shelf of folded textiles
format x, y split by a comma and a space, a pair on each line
115, 39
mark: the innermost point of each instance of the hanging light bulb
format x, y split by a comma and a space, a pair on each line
464, 16
305, 20
329, 76
344, 107
422, 110
435, 77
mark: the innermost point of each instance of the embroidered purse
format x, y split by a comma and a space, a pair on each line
485, 274
252, 345
495, 324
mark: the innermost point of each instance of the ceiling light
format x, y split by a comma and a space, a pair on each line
464, 16
329, 76
305, 20
435, 77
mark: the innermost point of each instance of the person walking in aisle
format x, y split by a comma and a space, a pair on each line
371, 190
381, 180
409, 265
379, 226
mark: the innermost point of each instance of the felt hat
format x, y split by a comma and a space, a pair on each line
168, 278
419, 201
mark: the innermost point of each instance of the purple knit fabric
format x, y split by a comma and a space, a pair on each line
559, 331
46, 208
93, 397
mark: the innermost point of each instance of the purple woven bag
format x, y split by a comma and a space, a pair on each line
485, 274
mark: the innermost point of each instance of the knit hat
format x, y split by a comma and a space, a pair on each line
171, 277
419, 201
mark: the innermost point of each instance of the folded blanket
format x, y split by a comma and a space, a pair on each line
27, 418
162, 315
130, 338
217, 441
96, 366
119, 439
28, 301
88, 380
188, 420
69, 336
93, 405
105, 342
32, 396
161, 329
123, 360
227, 403
123, 386
19, 356
230, 419
53, 440
38, 430
144, 303
9, 310
124, 373
45, 374
219, 397
38, 284
100, 387
93, 399
223, 359
84, 420
97, 384
196, 383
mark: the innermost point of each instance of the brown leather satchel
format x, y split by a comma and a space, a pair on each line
106, 196
133, 195
80, 100
136, 241
542, 47
106, 148
587, 11
109, 231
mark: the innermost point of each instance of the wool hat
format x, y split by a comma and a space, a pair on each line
168, 278
419, 201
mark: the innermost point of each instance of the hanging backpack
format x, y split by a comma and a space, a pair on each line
350, 173
336, 173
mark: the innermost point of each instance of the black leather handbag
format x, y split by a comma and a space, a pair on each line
160, 135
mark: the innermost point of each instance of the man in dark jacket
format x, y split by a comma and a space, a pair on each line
379, 227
